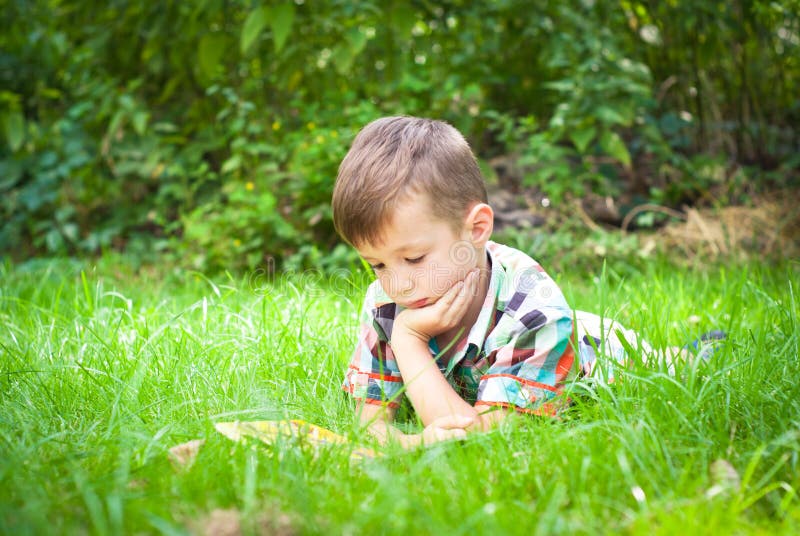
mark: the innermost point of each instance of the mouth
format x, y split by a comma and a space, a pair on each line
417, 304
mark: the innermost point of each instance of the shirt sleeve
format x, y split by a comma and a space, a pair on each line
372, 375
528, 372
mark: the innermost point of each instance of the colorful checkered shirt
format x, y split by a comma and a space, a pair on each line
517, 354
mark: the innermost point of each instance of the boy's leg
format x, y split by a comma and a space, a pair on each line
703, 346
610, 341
607, 338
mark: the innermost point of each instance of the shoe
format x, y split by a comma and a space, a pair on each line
707, 344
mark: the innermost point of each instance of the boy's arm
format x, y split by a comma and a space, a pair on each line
378, 419
445, 414
426, 387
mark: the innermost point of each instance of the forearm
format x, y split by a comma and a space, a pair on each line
426, 387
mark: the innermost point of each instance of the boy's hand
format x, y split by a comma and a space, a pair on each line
431, 320
446, 428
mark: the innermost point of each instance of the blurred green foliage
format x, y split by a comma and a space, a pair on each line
213, 130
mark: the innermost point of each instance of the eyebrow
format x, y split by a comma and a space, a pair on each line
402, 249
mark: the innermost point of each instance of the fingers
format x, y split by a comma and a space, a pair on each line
446, 301
456, 433
471, 283
450, 422
447, 427
455, 303
434, 435
458, 293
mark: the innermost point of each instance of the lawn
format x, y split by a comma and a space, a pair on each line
103, 369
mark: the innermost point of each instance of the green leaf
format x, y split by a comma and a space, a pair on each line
342, 58
14, 129
357, 40
582, 137
609, 116
403, 18
210, 51
54, 241
281, 23
139, 121
559, 118
115, 123
345, 52
256, 21
613, 146
10, 174
231, 164
562, 86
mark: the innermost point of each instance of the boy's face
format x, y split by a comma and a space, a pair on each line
420, 256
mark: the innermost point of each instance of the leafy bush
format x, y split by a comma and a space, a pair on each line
213, 130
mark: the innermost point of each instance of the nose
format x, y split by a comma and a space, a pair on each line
401, 281
406, 282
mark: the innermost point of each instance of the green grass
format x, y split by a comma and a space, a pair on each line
103, 370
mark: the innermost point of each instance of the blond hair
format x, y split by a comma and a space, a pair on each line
395, 157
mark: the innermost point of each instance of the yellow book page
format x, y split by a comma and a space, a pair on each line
269, 431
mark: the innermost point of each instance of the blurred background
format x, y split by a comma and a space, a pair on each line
208, 133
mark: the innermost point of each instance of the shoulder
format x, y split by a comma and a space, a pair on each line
514, 261
524, 279
527, 294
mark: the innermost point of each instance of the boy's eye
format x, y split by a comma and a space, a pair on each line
378, 266
415, 260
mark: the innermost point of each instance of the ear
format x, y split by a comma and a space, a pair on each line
479, 224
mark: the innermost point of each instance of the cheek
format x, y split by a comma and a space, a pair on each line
463, 255
442, 276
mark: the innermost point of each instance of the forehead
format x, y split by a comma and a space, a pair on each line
411, 224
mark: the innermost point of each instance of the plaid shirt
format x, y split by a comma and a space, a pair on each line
517, 354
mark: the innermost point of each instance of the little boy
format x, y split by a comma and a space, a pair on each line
459, 324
